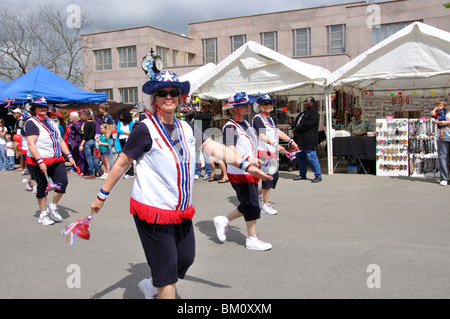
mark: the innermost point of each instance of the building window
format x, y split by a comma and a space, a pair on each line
102, 60
383, 31
175, 57
270, 40
109, 93
164, 54
302, 41
336, 35
127, 57
191, 57
237, 41
209, 50
128, 95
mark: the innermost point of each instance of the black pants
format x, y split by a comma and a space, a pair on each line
169, 249
56, 172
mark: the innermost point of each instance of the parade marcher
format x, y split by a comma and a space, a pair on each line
161, 198
239, 136
46, 148
268, 145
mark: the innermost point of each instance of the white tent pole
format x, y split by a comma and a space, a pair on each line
329, 128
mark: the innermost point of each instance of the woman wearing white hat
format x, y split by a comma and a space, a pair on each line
45, 159
161, 199
239, 136
268, 146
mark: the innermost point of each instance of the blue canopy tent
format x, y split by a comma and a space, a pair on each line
40, 82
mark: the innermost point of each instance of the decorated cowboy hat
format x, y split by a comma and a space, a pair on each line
166, 79
40, 101
239, 99
264, 98
261, 99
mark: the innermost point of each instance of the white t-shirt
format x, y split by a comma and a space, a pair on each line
10, 151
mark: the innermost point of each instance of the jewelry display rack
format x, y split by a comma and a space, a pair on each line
392, 147
423, 157
406, 147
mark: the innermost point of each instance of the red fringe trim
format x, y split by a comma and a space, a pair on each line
241, 178
155, 215
47, 161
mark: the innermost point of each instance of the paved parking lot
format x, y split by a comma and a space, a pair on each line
350, 236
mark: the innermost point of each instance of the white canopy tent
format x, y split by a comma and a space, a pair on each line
254, 68
416, 57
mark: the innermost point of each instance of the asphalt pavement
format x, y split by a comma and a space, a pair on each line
349, 236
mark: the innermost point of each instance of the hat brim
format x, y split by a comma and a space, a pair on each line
251, 100
151, 86
259, 101
41, 104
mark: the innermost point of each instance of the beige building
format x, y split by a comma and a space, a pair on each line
328, 36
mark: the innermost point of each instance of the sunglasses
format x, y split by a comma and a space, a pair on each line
163, 93
267, 103
42, 106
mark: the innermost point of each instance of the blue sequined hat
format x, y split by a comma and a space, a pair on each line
40, 101
239, 99
166, 79
264, 98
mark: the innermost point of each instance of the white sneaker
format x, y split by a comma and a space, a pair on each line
221, 223
261, 201
268, 209
28, 184
256, 243
45, 220
104, 176
147, 288
34, 191
206, 177
443, 183
53, 213
196, 177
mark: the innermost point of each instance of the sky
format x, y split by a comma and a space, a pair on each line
172, 15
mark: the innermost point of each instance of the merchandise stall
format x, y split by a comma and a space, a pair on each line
397, 82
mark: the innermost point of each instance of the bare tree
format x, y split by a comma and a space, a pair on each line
32, 37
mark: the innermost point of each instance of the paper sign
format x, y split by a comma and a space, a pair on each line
389, 118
